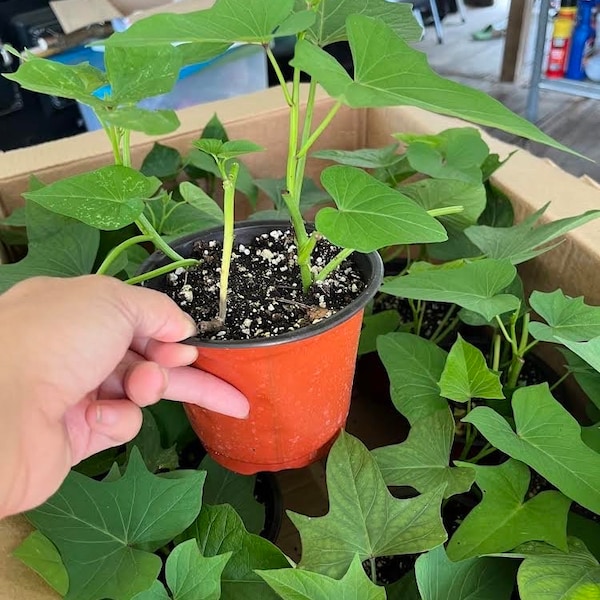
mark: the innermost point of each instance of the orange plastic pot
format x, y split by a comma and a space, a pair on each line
298, 384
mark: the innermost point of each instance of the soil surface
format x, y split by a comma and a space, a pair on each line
265, 289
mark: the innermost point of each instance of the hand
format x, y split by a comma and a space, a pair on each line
80, 356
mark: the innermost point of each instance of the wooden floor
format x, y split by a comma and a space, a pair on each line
573, 121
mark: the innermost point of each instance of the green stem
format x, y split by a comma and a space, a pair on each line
229, 180
146, 228
446, 210
304, 255
420, 315
117, 250
529, 347
308, 118
279, 75
516, 365
373, 570
485, 451
524, 334
334, 263
187, 262
559, 381
505, 334
320, 129
112, 133
497, 350
126, 147
442, 324
451, 327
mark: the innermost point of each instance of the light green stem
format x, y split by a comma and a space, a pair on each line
524, 334
445, 211
308, 118
126, 147
320, 129
186, 262
117, 250
372, 562
304, 255
505, 333
485, 451
334, 263
279, 75
497, 349
147, 229
440, 327
229, 180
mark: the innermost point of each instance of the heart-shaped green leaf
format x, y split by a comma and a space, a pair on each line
524, 241
98, 527
568, 318
452, 154
589, 351
414, 366
56, 79
555, 575
226, 487
475, 579
191, 576
41, 556
514, 522
215, 29
442, 193
499, 211
150, 122
218, 530
422, 460
542, 426
476, 286
330, 25
370, 215
365, 158
58, 247
364, 517
108, 198
403, 78
467, 376
296, 584
202, 202
139, 73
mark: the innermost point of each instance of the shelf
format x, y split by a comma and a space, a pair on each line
585, 89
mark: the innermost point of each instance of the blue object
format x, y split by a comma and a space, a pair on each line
581, 40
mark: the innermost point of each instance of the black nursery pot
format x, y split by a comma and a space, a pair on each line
298, 383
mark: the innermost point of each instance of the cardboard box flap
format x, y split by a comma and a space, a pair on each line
77, 14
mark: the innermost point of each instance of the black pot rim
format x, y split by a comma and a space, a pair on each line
370, 266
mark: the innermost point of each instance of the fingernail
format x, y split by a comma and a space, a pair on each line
193, 328
106, 414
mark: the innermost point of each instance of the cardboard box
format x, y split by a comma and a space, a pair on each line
77, 14
529, 181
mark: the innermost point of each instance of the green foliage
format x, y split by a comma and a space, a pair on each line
568, 318
219, 149
414, 366
296, 584
452, 154
525, 241
226, 487
191, 576
476, 286
162, 161
99, 546
375, 325
365, 518
207, 208
474, 579
542, 427
365, 158
40, 554
549, 574
58, 247
330, 24
422, 460
311, 196
108, 198
503, 521
442, 193
380, 83
586, 376
370, 215
466, 375
219, 530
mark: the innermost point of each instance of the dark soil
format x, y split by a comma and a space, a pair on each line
390, 569
265, 290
